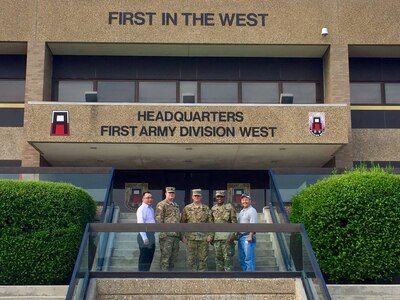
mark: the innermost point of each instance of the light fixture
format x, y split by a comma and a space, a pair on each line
286, 98
91, 96
324, 31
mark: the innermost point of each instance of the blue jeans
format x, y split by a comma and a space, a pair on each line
247, 255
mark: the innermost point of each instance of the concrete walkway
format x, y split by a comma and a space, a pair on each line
33, 292
364, 292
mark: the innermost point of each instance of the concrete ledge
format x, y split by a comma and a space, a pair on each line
364, 291
194, 286
199, 297
33, 291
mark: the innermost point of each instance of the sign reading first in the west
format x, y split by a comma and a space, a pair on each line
140, 18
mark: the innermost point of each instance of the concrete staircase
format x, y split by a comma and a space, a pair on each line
125, 252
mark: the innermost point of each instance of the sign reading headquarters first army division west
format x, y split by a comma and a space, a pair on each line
175, 124
218, 124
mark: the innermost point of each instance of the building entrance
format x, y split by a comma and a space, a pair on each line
130, 184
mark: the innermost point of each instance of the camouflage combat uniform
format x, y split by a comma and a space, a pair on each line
168, 212
224, 245
197, 245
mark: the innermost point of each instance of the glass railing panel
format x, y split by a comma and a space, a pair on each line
118, 251
78, 283
93, 180
107, 212
303, 260
114, 248
290, 184
9, 176
277, 208
85, 263
122, 254
95, 184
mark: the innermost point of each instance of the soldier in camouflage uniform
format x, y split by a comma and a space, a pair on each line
224, 245
167, 211
197, 242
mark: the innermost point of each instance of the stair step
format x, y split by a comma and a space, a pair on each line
127, 221
127, 215
180, 268
183, 268
129, 252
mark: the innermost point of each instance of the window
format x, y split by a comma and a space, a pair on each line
116, 91
303, 92
260, 92
164, 92
365, 93
392, 93
226, 92
127, 91
12, 90
73, 91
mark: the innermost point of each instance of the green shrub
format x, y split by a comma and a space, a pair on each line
41, 227
353, 222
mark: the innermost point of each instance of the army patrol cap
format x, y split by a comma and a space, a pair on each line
170, 189
219, 193
196, 192
245, 195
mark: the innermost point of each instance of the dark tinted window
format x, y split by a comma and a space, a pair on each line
116, 91
12, 90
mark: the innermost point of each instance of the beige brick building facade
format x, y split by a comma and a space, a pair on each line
201, 49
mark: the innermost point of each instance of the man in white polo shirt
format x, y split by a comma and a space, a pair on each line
247, 240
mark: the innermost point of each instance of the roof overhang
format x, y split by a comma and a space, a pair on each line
188, 156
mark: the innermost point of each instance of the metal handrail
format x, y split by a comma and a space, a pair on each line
107, 197
281, 243
314, 262
85, 237
193, 227
78, 261
306, 241
279, 197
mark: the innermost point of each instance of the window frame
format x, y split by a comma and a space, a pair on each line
319, 97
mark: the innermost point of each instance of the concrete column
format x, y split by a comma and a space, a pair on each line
337, 90
39, 67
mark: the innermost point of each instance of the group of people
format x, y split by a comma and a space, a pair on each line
197, 243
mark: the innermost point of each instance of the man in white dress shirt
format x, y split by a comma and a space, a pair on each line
146, 240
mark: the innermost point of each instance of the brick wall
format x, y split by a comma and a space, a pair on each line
337, 90
37, 88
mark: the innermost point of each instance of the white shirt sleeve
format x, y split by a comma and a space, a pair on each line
253, 216
141, 219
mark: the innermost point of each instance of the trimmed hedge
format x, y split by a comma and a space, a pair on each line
353, 222
41, 227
